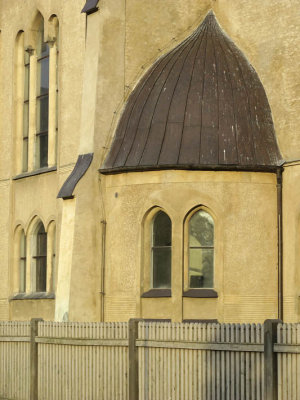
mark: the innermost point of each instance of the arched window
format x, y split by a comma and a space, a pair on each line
161, 251
42, 98
36, 95
22, 263
26, 112
51, 251
201, 250
40, 258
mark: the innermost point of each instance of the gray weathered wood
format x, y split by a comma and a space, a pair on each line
270, 361
83, 342
248, 347
133, 360
34, 359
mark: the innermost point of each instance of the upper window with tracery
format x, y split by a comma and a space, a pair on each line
37, 95
201, 250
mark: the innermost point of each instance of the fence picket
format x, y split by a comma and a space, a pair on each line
171, 366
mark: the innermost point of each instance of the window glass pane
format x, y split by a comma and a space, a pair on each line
22, 272
25, 137
161, 267
42, 150
53, 259
25, 119
162, 230
201, 267
22, 263
41, 259
201, 229
25, 155
161, 251
41, 242
43, 76
26, 83
42, 114
41, 274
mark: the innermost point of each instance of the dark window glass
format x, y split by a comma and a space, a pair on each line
26, 112
201, 250
22, 264
42, 101
161, 251
41, 259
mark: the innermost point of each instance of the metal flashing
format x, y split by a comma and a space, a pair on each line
90, 7
82, 164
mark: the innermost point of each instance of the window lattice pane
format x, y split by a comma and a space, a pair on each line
161, 251
42, 114
201, 268
201, 250
22, 263
26, 82
201, 229
43, 76
42, 150
41, 260
161, 267
162, 230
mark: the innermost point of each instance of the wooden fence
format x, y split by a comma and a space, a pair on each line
149, 360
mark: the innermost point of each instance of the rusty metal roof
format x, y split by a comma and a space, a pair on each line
202, 105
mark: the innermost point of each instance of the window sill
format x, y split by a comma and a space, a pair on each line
157, 293
32, 296
200, 293
35, 172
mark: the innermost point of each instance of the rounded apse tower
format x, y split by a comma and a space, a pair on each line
190, 190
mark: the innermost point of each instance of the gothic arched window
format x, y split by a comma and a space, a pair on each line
201, 250
161, 250
40, 258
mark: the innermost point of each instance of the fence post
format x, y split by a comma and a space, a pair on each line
133, 359
34, 358
270, 359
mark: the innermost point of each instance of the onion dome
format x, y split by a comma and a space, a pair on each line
201, 106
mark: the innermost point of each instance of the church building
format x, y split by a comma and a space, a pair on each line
150, 160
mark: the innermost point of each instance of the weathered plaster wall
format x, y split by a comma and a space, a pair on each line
132, 35
291, 240
244, 206
36, 195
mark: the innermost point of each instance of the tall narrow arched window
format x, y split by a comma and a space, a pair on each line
22, 263
42, 99
201, 250
51, 251
26, 112
40, 258
161, 251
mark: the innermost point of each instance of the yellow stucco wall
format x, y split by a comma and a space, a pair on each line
131, 35
245, 212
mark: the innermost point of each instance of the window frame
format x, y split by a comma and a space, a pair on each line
187, 290
147, 290
31, 257
36, 147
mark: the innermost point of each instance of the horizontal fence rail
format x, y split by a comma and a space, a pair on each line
200, 361
82, 360
288, 354
15, 360
149, 360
